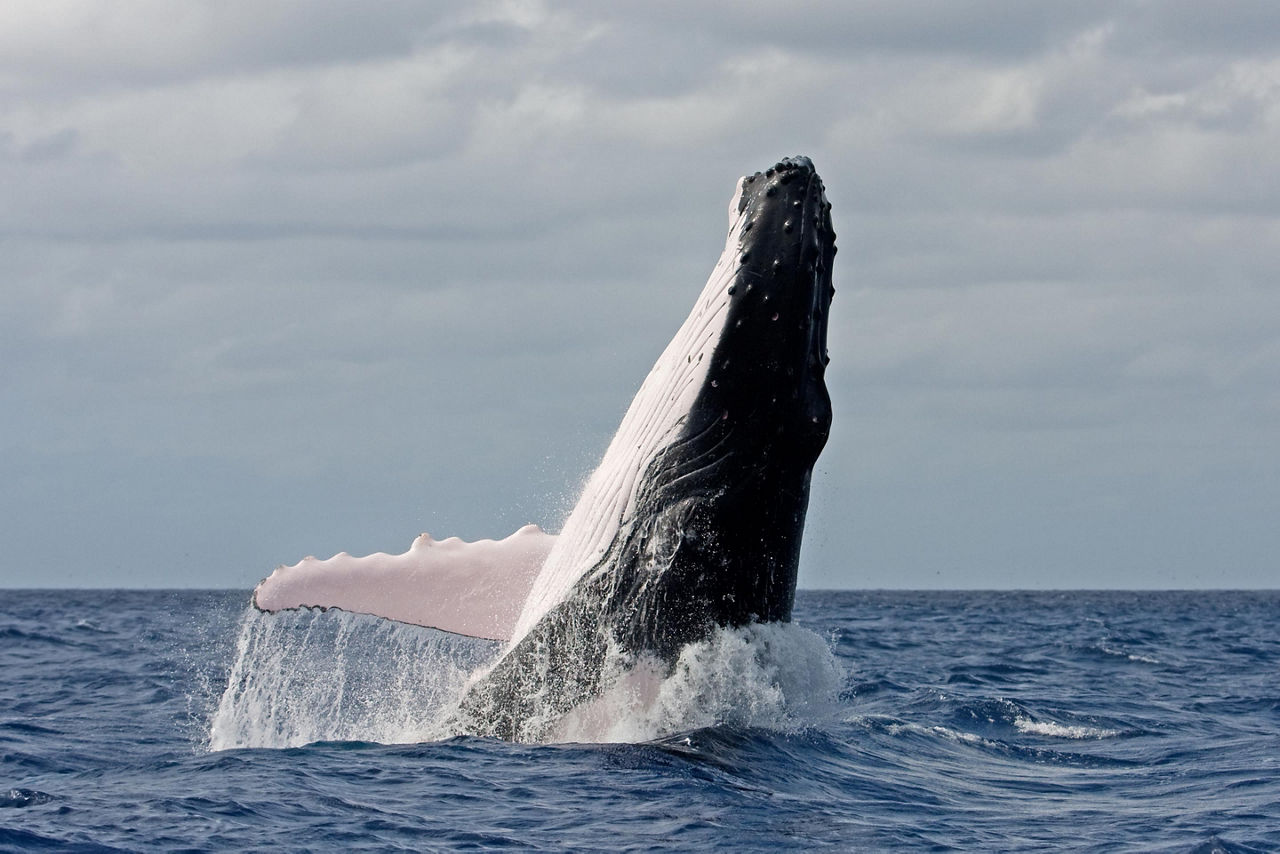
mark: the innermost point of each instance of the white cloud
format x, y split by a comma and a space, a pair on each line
331, 254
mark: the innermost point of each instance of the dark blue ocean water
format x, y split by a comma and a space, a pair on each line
966, 721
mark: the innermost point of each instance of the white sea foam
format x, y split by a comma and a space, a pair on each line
1132, 656
776, 676
308, 676
1056, 730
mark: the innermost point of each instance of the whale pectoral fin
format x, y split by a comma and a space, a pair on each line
472, 589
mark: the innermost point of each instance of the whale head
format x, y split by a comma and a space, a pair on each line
694, 517
719, 511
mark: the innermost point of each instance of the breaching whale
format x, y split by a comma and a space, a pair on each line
693, 519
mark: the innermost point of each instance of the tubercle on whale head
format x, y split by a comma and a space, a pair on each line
772, 355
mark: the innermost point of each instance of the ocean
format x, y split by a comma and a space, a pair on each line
878, 721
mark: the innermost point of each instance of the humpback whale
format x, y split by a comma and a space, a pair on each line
692, 520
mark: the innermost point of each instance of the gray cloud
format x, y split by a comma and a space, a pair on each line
319, 276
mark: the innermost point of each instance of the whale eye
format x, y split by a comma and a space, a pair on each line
787, 226
775, 316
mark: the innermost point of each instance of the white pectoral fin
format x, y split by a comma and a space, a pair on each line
472, 589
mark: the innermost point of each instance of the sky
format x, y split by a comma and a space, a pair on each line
291, 279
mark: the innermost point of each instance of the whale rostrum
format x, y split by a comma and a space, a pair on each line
693, 519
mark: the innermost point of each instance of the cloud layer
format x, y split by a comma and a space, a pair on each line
317, 276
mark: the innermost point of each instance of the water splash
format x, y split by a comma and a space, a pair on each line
776, 676
306, 676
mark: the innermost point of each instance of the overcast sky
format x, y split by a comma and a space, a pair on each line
280, 279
